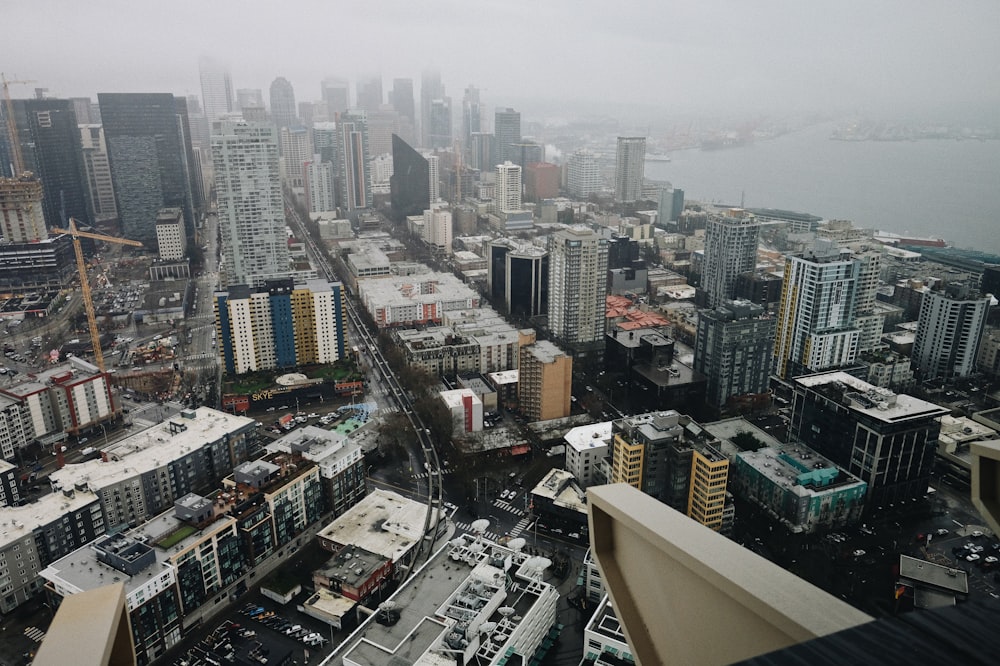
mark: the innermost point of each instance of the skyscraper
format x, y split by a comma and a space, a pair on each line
481, 151
216, 88
296, 147
251, 209
21, 217
733, 348
283, 103
430, 90
249, 97
95, 163
149, 151
471, 116
370, 93
630, 164
409, 184
583, 174
438, 227
336, 94
508, 187
578, 266
816, 327
401, 98
320, 185
507, 132
51, 149
730, 249
439, 124
949, 332
353, 161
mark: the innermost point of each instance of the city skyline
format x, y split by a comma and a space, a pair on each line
702, 57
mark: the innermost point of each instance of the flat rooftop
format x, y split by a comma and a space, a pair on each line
591, 436
857, 395
16, 522
151, 448
937, 575
383, 522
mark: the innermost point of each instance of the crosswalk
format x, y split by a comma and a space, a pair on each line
424, 475
34, 633
520, 527
492, 536
507, 506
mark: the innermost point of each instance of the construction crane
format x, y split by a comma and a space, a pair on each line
17, 159
81, 266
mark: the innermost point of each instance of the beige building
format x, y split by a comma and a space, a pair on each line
170, 239
545, 381
21, 217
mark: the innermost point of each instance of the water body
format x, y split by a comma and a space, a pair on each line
941, 188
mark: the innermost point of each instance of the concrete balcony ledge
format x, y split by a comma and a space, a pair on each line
687, 595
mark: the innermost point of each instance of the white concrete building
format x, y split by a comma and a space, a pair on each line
578, 264
949, 332
586, 447
171, 242
296, 150
508, 187
583, 174
630, 165
466, 410
320, 188
438, 227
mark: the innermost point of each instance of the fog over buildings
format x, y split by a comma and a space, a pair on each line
893, 58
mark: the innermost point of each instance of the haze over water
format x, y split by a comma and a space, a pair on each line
942, 188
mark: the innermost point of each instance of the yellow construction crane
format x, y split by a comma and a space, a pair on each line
15, 145
81, 266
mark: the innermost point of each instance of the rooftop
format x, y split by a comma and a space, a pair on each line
383, 523
928, 573
17, 522
591, 436
872, 401
561, 487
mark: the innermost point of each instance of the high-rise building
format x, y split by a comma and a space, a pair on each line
518, 274
337, 95
630, 163
282, 325
296, 148
438, 227
433, 178
149, 150
249, 98
541, 181
508, 187
481, 151
320, 185
949, 332
578, 266
382, 124
401, 98
21, 216
884, 439
409, 185
472, 116
507, 132
283, 103
730, 249
82, 108
545, 379
671, 205
325, 140
440, 124
816, 328
353, 161
527, 152
198, 121
431, 89
51, 150
251, 209
216, 88
98, 170
370, 96
583, 174
734, 348
171, 242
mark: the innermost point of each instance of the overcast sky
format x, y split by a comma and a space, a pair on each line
893, 58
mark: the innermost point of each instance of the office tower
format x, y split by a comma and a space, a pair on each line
481, 147
98, 173
883, 438
249, 97
518, 275
949, 332
816, 328
430, 90
82, 108
524, 153
578, 266
21, 216
508, 187
439, 123
171, 241
545, 380
671, 205
583, 174
198, 122
150, 154
433, 178
325, 140
280, 325
251, 209
216, 88
370, 93
337, 95
507, 132
409, 185
320, 185
438, 227
296, 147
730, 249
472, 119
382, 124
401, 98
630, 163
283, 103
734, 348
51, 150
541, 181
353, 161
